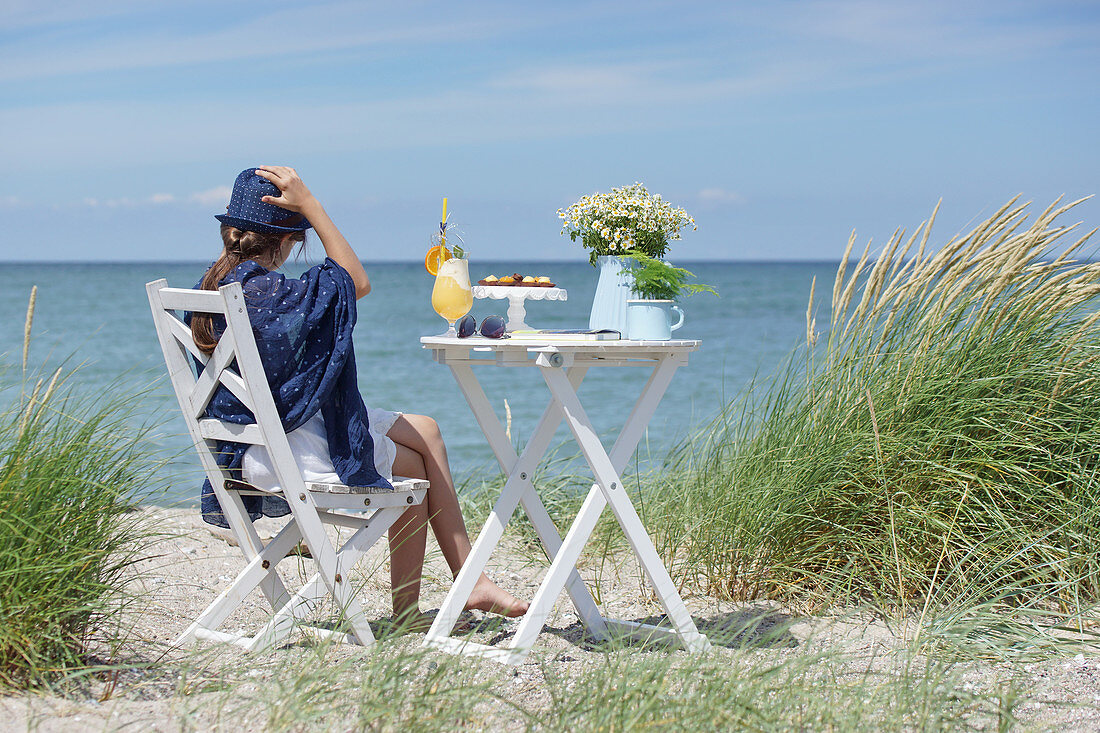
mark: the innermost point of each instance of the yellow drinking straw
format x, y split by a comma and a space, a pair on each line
443, 224
442, 236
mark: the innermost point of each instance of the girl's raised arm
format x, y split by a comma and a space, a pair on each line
296, 197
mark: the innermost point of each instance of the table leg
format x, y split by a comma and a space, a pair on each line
547, 532
563, 563
510, 463
586, 519
518, 487
644, 408
610, 484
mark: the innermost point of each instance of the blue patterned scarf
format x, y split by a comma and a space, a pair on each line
303, 332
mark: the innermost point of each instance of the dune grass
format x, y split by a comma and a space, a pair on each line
393, 687
69, 463
398, 686
937, 442
824, 690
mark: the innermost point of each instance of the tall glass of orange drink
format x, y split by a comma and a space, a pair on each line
451, 296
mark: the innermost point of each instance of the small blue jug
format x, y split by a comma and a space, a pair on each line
651, 320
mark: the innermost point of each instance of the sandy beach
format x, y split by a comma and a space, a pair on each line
165, 689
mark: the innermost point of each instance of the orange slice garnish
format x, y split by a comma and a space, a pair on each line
435, 256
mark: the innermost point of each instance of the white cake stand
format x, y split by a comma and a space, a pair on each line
516, 296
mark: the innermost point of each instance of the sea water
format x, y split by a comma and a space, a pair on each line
96, 317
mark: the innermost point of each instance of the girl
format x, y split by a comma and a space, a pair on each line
303, 331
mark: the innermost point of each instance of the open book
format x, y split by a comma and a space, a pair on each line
567, 334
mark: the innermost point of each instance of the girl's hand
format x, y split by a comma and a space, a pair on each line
295, 196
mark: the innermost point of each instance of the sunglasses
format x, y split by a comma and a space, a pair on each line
491, 328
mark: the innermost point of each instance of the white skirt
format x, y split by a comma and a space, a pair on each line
309, 445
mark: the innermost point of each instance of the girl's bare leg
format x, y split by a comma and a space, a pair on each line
408, 538
419, 434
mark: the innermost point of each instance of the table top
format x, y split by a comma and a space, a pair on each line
619, 346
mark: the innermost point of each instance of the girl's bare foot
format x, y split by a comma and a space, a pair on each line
490, 597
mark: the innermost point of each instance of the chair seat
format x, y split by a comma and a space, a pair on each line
400, 485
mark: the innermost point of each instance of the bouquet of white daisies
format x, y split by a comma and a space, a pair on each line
624, 220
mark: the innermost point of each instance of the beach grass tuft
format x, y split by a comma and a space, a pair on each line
69, 465
323, 687
821, 690
397, 686
936, 449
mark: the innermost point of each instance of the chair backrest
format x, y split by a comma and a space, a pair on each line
235, 364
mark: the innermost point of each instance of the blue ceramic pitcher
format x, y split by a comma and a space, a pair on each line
612, 292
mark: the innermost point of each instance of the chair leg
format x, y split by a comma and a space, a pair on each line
349, 555
282, 622
251, 544
260, 569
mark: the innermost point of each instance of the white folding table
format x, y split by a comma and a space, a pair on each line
563, 365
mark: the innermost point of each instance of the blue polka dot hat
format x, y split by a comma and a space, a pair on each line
247, 211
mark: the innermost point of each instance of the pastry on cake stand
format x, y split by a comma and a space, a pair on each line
517, 296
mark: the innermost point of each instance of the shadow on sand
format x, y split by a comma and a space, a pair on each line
747, 628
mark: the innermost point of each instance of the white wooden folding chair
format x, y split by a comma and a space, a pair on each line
235, 365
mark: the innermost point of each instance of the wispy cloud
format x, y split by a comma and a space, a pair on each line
651, 85
123, 202
29, 14
930, 29
217, 196
582, 78
209, 197
134, 132
292, 32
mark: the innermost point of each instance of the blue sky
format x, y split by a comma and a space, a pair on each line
780, 126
